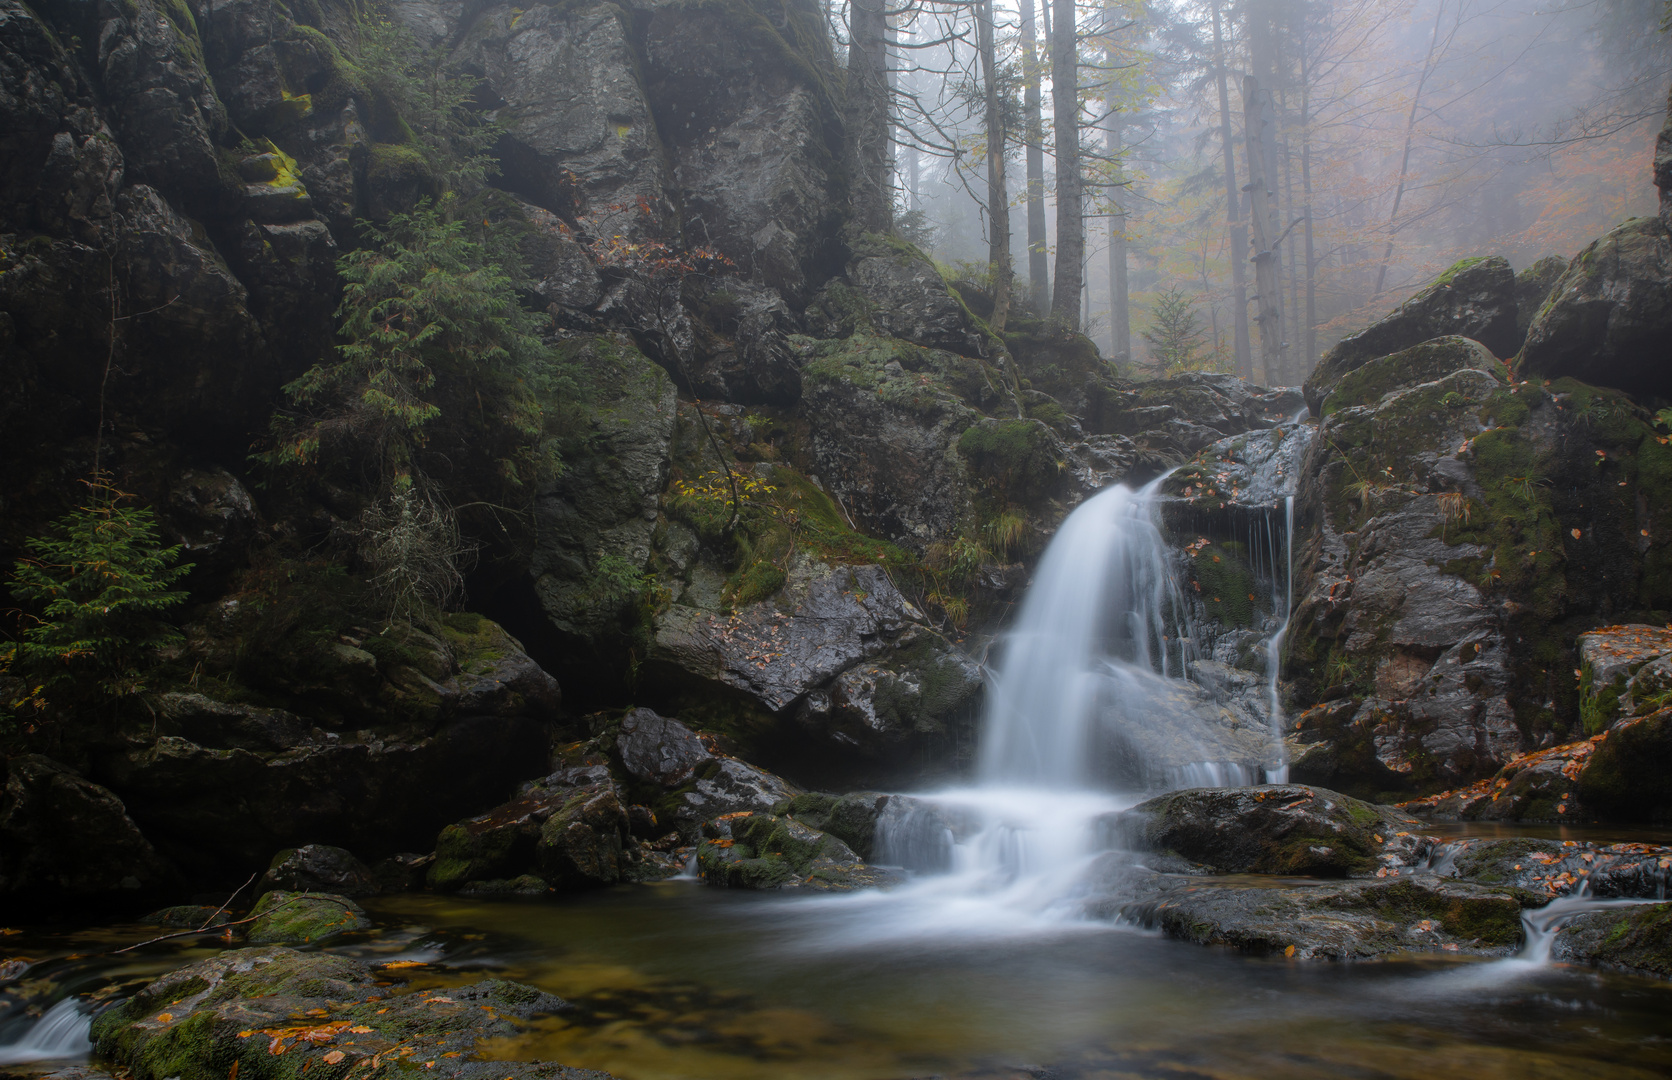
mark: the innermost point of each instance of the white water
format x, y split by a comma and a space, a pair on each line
60, 1033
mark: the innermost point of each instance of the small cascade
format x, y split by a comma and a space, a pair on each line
60, 1034
1274, 644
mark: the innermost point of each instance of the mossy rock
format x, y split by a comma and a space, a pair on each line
1629, 775
285, 918
1638, 938
1411, 367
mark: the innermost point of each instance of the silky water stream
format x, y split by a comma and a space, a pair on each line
984, 962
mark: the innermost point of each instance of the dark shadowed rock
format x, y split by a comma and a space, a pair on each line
1273, 829
65, 836
223, 726
1629, 775
658, 750
1474, 299
1533, 287
1609, 319
319, 868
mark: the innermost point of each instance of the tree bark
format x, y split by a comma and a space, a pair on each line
1263, 214
1311, 360
1039, 258
1120, 310
998, 194
1233, 212
868, 116
1065, 107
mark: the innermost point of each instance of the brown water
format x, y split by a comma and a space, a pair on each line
677, 980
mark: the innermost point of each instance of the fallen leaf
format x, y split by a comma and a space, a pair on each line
334, 1057
1290, 951
165, 1018
1575, 533
403, 964
362, 1029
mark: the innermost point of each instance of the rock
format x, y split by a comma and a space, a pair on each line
580, 139
1533, 287
1474, 299
1547, 869
1272, 829
1168, 420
562, 269
908, 299
1609, 317
319, 868
188, 917
368, 791
755, 154
1539, 786
223, 726
1428, 362
65, 837
1629, 776
822, 622
1638, 939
190, 1023
585, 843
727, 786
850, 818
288, 918
764, 851
602, 510
1623, 673
917, 703
495, 676
212, 517
658, 750
745, 356
1337, 922
403, 871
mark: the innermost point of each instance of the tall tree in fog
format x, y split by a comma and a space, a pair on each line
998, 193
1039, 272
1233, 206
1065, 107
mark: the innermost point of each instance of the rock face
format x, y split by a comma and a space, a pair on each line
1608, 319
190, 1022
65, 837
1475, 299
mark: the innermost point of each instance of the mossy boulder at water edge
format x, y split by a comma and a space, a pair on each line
287, 918
275, 1014
766, 851
1273, 829
1636, 938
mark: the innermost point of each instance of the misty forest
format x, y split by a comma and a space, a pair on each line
835, 539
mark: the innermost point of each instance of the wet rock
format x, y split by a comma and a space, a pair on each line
1629, 776
727, 786
63, 836
243, 1005
319, 868
1153, 732
917, 701
1329, 921
561, 268
1169, 420
1272, 829
907, 298
403, 871
765, 851
585, 843
1608, 319
522, 885
745, 355
1474, 299
1622, 673
1252, 470
1540, 786
658, 750
1637, 939
850, 818
821, 623
1546, 869
494, 676
289, 918
1428, 362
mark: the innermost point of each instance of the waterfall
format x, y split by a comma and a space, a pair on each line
59, 1034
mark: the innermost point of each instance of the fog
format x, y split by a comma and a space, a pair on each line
1400, 137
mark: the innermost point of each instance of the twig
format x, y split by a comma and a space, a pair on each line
229, 901
237, 922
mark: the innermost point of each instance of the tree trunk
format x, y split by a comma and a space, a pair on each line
1120, 312
998, 194
1306, 209
1263, 214
868, 116
1071, 226
1233, 212
1039, 267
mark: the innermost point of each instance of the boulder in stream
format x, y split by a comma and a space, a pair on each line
1638, 939
288, 918
320, 868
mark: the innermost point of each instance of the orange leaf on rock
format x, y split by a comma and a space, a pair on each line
334, 1057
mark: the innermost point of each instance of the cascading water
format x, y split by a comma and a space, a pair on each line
1087, 711
60, 1034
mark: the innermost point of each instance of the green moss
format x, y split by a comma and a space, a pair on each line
1458, 267
299, 919
1226, 582
1016, 457
1599, 706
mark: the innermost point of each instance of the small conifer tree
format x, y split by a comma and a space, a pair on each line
102, 580
1174, 335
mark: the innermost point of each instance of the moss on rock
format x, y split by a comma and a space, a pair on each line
286, 918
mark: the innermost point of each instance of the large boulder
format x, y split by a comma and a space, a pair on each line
290, 918
1474, 298
319, 868
1636, 938
64, 837
1609, 319
766, 851
1274, 829
1533, 287
906, 298
1629, 776
657, 750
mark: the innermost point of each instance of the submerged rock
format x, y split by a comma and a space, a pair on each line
288, 918
273, 1013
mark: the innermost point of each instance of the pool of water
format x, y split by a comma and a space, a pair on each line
677, 980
